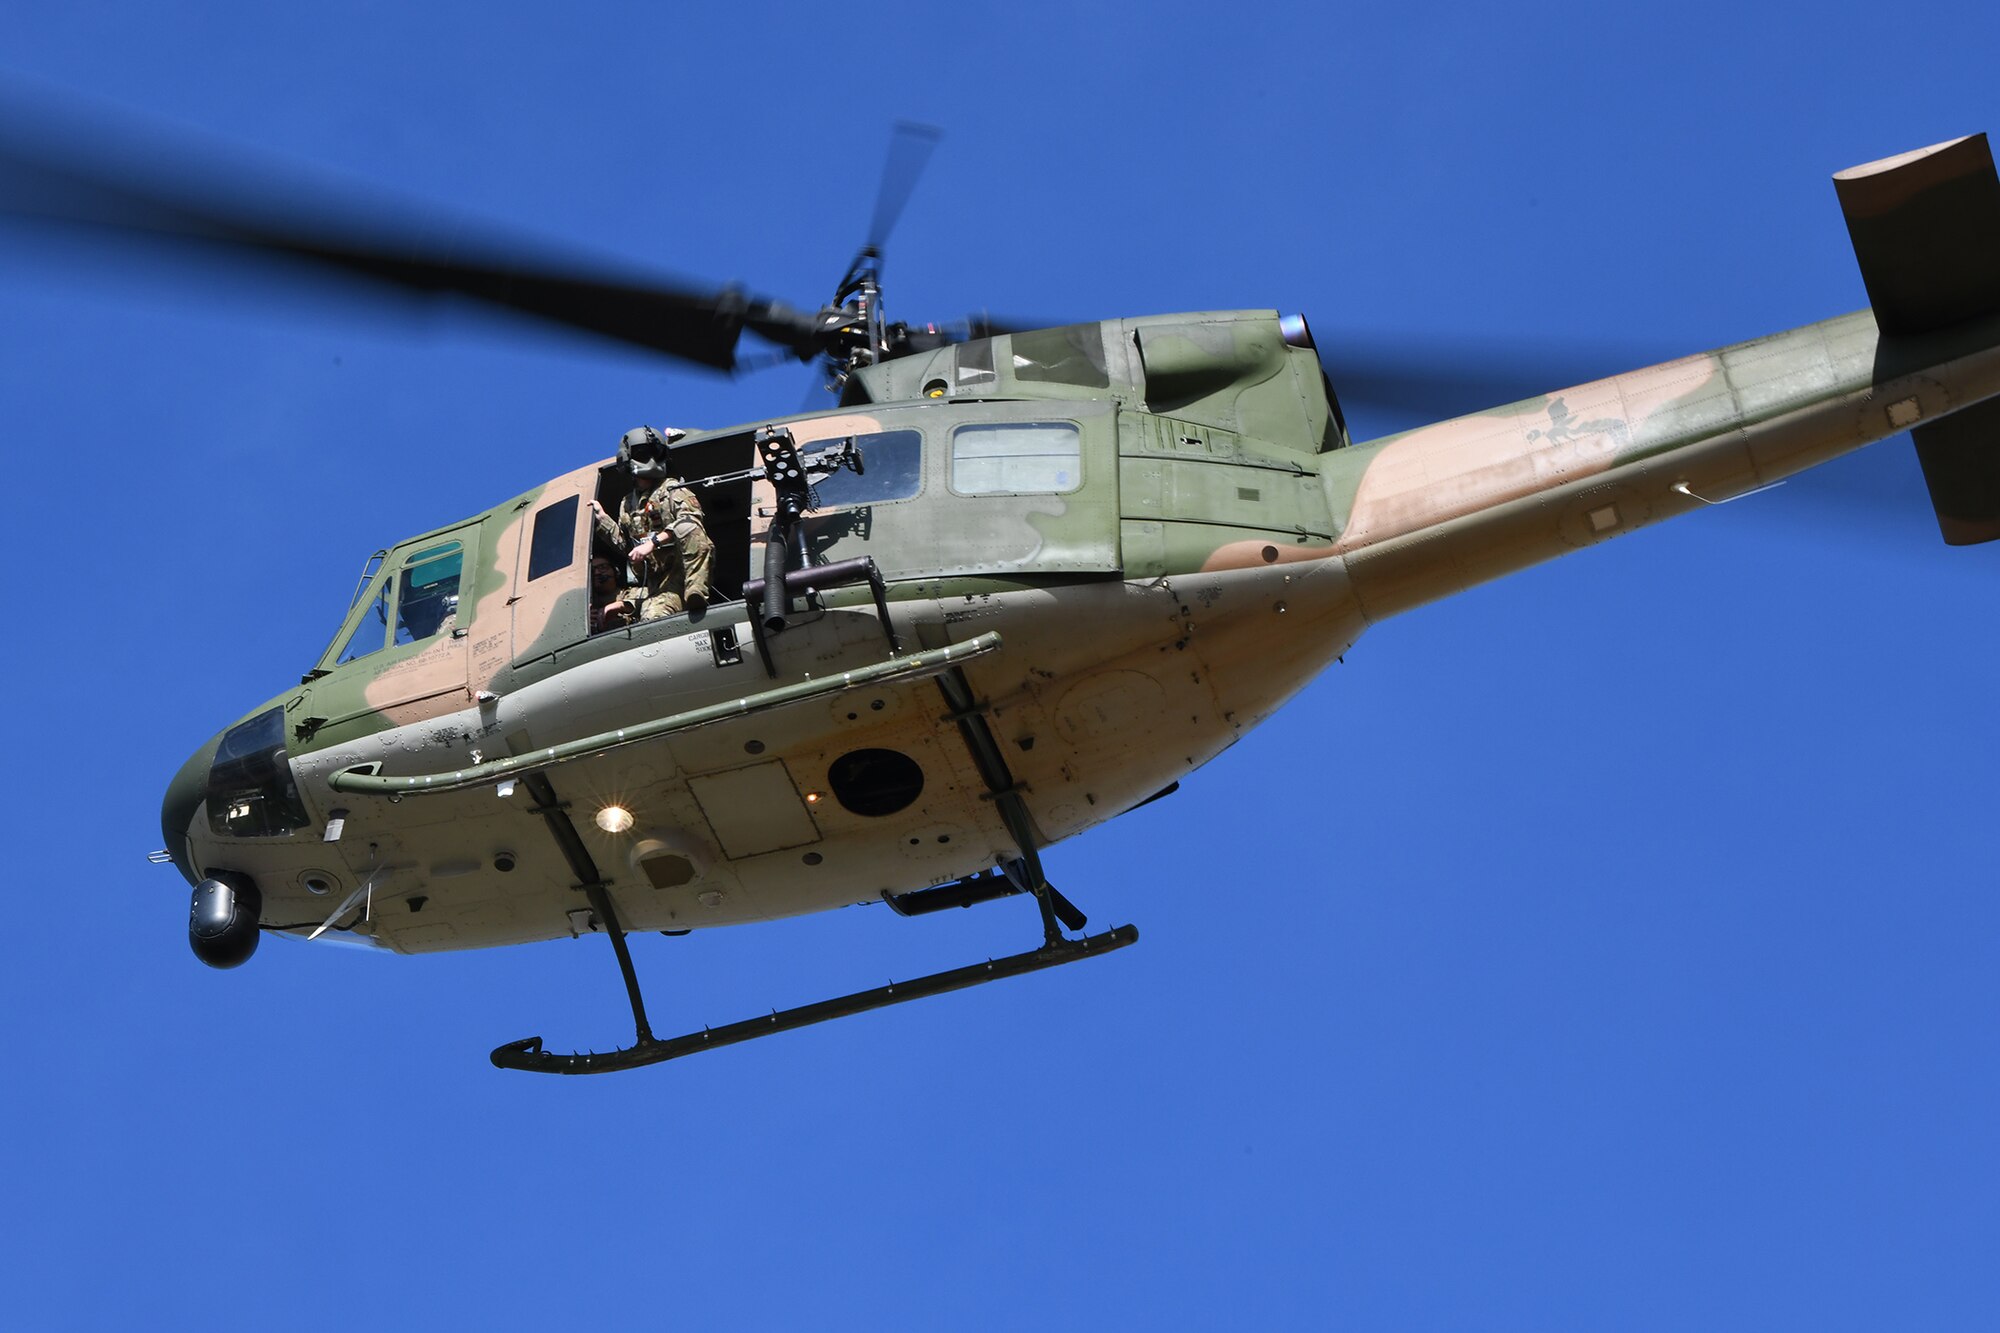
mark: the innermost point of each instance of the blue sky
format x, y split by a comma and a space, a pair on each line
1613, 946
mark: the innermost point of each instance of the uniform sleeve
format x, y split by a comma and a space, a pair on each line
687, 510
607, 531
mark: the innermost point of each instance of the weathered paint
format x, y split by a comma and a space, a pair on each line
1436, 510
534, 617
1203, 574
1183, 658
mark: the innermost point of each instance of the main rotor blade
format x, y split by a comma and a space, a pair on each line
76, 187
909, 152
1417, 379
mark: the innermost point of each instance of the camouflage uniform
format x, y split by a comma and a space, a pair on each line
679, 562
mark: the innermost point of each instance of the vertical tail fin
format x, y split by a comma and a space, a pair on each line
1926, 233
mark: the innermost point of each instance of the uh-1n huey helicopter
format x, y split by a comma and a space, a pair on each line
1015, 583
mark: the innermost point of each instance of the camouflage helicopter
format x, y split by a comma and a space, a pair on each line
1013, 584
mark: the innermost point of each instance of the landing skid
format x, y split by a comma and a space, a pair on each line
649, 1050
1023, 874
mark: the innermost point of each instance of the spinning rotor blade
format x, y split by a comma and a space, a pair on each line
929, 337
985, 325
69, 188
1417, 380
909, 153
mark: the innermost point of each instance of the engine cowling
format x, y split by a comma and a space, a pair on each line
222, 921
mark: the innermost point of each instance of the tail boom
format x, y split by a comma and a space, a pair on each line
1436, 510
1440, 509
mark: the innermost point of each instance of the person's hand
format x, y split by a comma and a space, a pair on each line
648, 546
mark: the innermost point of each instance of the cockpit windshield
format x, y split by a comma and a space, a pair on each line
372, 633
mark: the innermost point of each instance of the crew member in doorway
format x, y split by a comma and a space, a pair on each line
609, 605
659, 528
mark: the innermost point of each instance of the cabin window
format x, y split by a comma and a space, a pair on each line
893, 469
553, 545
1013, 458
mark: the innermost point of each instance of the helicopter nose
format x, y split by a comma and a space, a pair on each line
183, 800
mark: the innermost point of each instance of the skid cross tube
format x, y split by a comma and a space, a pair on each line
1005, 793
527, 1054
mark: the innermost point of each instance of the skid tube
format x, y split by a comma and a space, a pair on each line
648, 1050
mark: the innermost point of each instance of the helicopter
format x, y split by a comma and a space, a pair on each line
1016, 582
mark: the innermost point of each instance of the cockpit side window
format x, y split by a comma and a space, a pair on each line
427, 592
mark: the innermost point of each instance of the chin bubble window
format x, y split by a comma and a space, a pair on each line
250, 789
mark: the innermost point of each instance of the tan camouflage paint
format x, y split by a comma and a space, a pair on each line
536, 606
448, 671
806, 435
1174, 667
1458, 467
1189, 662
1440, 509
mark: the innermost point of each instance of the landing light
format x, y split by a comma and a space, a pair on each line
614, 819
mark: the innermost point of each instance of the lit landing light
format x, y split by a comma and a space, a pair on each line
813, 797
614, 819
